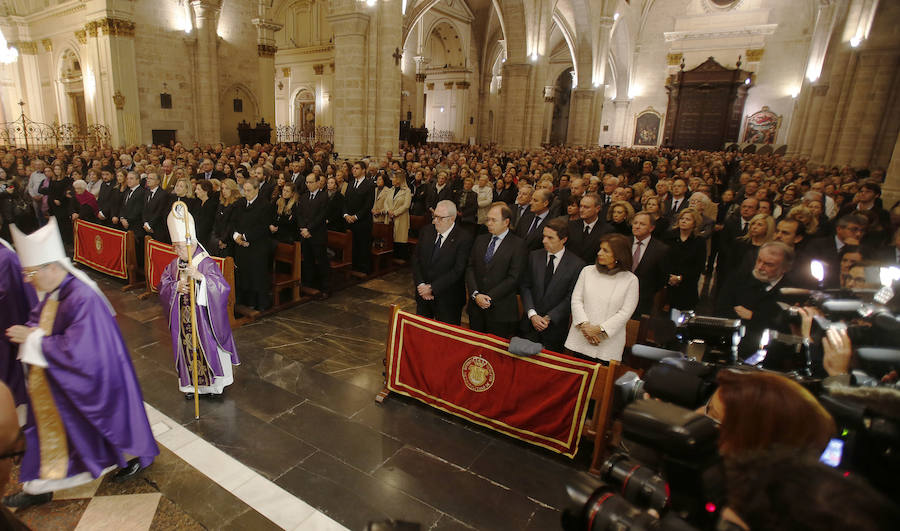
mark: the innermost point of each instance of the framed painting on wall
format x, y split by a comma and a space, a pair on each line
761, 127
646, 128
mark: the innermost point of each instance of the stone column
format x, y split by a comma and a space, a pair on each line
619, 137
890, 193
29, 80
549, 102
833, 106
265, 49
535, 116
514, 97
206, 16
348, 98
418, 117
580, 112
873, 93
111, 42
387, 89
817, 97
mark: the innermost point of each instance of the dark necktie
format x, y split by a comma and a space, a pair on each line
548, 274
587, 231
744, 226
490, 250
534, 224
636, 257
437, 247
127, 197
675, 205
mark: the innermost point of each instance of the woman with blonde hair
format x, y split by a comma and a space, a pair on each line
396, 207
685, 260
619, 217
220, 241
805, 217
284, 225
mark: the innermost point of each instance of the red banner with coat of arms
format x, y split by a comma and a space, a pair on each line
158, 255
540, 399
101, 248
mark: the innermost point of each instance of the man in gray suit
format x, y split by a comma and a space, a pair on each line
547, 286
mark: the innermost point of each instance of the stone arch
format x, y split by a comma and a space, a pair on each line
560, 24
69, 76
464, 46
229, 117
511, 14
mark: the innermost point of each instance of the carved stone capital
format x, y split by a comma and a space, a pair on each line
26, 47
286, 71
318, 69
48, 45
116, 27
448, 85
420, 78
464, 85
81, 35
674, 59
755, 55
266, 50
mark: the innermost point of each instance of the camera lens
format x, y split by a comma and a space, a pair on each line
608, 511
638, 484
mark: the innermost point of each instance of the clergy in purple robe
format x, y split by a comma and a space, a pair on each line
16, 301
87, 412
216, 352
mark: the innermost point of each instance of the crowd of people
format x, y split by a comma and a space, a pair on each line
692, 220
562, 246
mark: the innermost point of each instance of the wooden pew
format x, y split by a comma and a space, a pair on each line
286, 269
341, 243
382, 246
415, 225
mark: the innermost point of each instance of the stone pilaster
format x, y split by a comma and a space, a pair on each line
387, 90
620, 134
833, 104
891, 189
265, 49
350, 30
115, 78
513, 100
419, 108
870, 96
206, 76
28, 80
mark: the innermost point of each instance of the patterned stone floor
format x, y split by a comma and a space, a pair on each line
302, 418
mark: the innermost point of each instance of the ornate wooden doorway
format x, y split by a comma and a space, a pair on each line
705, 106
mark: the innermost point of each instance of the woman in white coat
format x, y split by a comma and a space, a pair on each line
603, 300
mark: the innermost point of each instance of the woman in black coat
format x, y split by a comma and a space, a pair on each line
59, 201
685, 261
334, 215
220, 241
204, 210
284, 222
467, 206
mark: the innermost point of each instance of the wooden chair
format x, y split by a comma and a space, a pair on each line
286, 271
382, 245
415, 224
341, 243
600, 426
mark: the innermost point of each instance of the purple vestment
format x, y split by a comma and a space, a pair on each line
213, 326
94, 387
16, 300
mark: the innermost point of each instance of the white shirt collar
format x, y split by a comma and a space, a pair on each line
590, 226
447, 232
558, 255
500, 236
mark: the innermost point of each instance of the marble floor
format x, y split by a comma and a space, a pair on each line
301, 415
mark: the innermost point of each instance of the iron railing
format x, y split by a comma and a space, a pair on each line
292, 133
25, 132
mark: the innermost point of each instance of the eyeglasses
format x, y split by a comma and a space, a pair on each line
442, 217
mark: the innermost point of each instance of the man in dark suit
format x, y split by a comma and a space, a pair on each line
495, 266
734, 228
155, 210
358, 203
253, 253
131, 212
848, 230
678, 200
296, 175
584, 234
208, 171
522, 205
648, 257
547, 288
438, 191
311, 211
439, 266
106, 199
531, 226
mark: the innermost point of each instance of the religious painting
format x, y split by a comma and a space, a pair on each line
646, 128
305, 105
761, 127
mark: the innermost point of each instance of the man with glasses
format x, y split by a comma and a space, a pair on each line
848, 230
87, 414
439, 266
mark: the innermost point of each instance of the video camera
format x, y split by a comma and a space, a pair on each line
688, 491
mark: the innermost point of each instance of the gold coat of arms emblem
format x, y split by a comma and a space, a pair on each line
478, 374
98, 243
